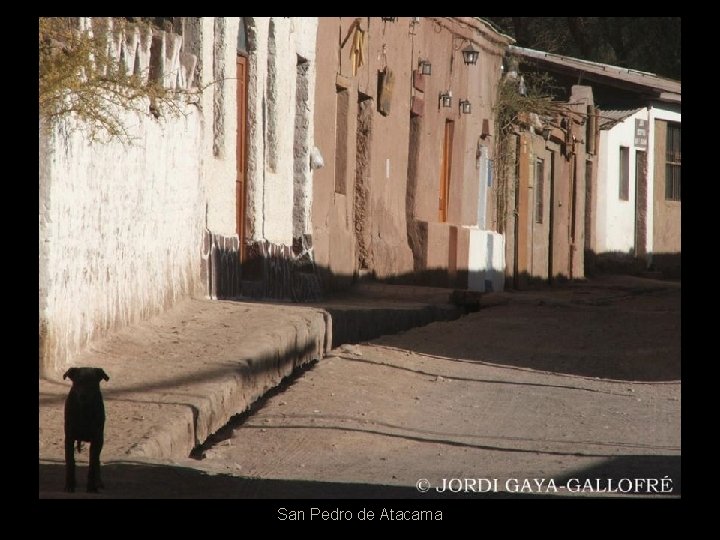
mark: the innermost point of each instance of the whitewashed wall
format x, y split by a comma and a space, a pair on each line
219, 80
486, 260
305, 38
615, 225
272, 205
120, 227
271, 112
616, 218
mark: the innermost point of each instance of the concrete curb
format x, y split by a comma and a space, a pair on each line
265, 369
179, 378
259, 371
353, 325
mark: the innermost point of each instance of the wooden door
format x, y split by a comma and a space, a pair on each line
445, 171
241, 186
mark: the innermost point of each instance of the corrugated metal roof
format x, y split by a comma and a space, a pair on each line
607, 119
664, 89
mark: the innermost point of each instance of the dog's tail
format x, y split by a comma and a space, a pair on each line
79, 447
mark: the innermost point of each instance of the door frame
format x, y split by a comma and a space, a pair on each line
446, 171
639, 238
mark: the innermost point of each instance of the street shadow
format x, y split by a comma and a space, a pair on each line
355, 325
128, 480
507, 444
509, 383
632, 340
657, 265
134, 480
617, 334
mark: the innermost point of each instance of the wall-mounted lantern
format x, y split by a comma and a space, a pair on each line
389, 19
414, 21
425, 67
465, 106
446, 99
470, 55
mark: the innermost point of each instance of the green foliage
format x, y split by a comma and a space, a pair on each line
78, 76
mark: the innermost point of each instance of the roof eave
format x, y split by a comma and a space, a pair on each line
631, 80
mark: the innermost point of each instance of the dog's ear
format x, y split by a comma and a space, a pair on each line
101, 374
70, 373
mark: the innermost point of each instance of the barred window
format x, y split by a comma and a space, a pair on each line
672, 163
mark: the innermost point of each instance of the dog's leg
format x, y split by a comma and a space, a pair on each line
69, 465
98, 478
94, 481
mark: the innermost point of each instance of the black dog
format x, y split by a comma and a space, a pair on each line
84, 421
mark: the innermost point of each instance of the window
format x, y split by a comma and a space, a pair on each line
539, 189
242, 45
672, 163
624, 173
484, 166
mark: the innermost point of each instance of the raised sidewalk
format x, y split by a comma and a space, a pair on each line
180, 376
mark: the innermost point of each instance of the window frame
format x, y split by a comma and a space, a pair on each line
624, 173
673, 162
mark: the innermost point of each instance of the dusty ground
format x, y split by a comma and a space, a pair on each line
582, 385
173, 377
582, 382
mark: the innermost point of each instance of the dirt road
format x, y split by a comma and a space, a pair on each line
574, 392
582, 384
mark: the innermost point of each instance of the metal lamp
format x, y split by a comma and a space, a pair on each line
446, 99
470, 55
